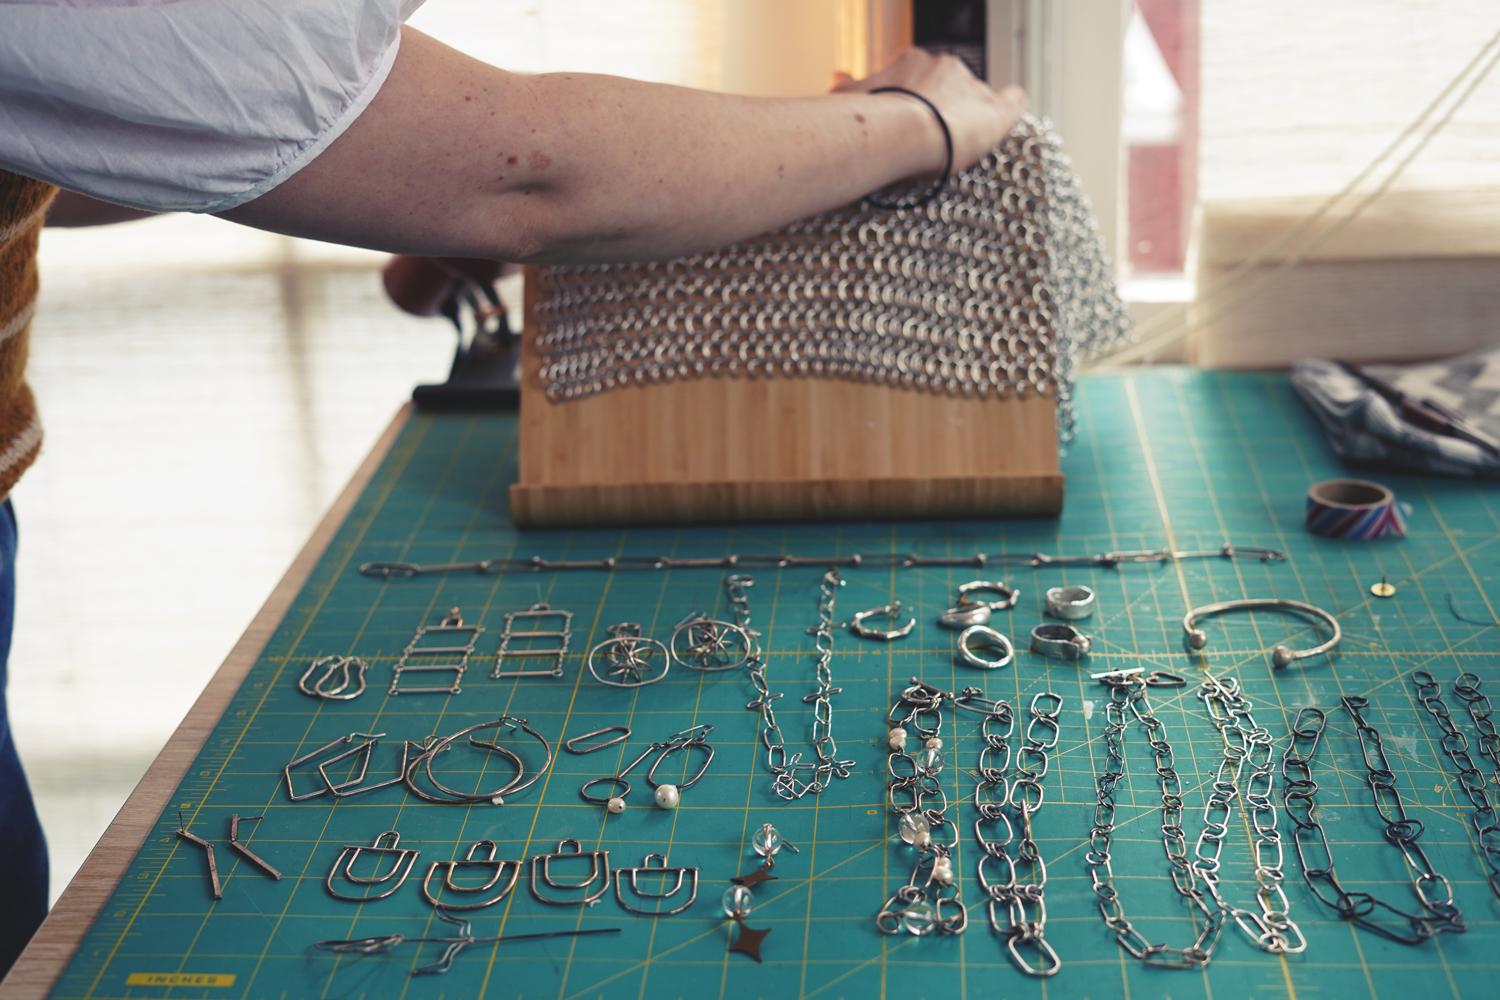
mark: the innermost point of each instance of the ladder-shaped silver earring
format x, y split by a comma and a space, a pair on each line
534, 622
385, 845
473, 859
541, 874
438, 659
654, 865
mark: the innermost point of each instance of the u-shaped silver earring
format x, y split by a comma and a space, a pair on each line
541, 874
656, 864
387, 843
496, 866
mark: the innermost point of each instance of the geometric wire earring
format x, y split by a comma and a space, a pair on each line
629, 656
653, 865
473, 859
387, 844
208, 850
541, 872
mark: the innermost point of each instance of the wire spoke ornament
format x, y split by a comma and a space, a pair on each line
628, 659
710, 645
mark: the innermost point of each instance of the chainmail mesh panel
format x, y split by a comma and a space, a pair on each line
997, 287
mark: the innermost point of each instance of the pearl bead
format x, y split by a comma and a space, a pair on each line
922, 840
913, 825
615, 805
897, 740
934, 743
942, 871
667, 796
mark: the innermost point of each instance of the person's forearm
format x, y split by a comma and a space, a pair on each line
685, 170
71, 210
456, 157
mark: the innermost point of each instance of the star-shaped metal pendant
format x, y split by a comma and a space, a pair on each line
747, 942
755, 878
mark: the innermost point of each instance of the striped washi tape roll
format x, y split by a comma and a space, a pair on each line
1353, 508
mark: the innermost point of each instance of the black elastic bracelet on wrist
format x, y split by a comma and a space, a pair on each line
917, 201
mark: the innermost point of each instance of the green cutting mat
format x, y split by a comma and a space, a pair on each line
1173, 457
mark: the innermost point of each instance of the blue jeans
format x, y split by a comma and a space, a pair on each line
23, 876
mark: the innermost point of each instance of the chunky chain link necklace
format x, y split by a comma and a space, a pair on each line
1245, 742
1484, 820
1434, 893
785, 770
1481, 715
930, 900
1127, 694
1017, 902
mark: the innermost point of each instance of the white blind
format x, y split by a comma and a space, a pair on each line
1297, 96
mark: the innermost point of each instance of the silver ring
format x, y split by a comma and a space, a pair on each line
1070, 603
984, 636
890, 612
1005, 596
964, 615
1062, 642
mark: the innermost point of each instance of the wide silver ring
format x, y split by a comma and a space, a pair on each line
1061, 642
964, 615
982, 636
1070, 603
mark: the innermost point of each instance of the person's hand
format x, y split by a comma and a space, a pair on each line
424, 286
978, 116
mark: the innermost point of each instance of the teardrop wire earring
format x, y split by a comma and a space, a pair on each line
668, 796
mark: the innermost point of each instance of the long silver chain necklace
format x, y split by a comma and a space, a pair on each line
1005, 809
1481, 715
1484, 820
1272, 929
1434, 893
786, 770
790, 560
1127, 694
930, 901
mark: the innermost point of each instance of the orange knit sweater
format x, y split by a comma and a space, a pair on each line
23, 204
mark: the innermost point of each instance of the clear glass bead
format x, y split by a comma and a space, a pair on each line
930, 760
913, 826
766, 841
919, 918
738, 902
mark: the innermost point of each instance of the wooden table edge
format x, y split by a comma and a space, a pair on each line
44, 959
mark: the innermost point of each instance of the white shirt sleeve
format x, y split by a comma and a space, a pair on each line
185, 105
